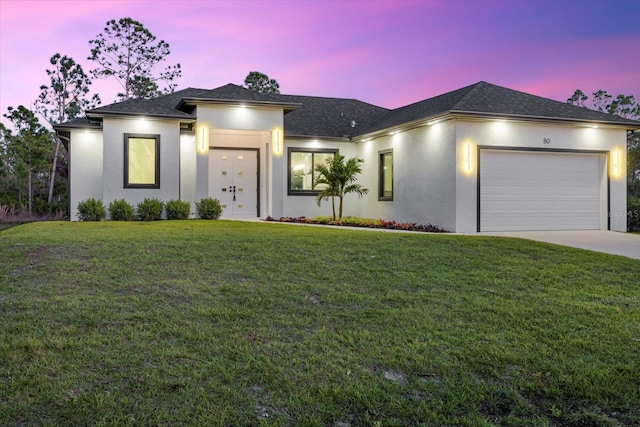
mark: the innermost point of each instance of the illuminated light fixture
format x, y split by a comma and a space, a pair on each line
243, 105
278, 140
393, 132
431, 123
202, 142
594, 127
616, 162
467, 158
366, 140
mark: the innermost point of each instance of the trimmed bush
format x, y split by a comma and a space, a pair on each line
91, 210
209, 208
149, 209
121, 210
177, 209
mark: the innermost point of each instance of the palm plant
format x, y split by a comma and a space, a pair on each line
338, 178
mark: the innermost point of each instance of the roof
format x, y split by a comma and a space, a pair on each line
485, 99
161, 107
313, 116
79, 123
329, 117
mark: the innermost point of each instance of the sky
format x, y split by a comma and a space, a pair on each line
388, 53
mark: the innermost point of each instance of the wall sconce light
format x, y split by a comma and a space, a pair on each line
467, 158
616, 162
276, 141
202, 141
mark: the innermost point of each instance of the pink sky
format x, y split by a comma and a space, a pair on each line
389, 53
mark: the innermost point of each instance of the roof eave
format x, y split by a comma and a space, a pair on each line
312, 137
66, 128
102, 115
287, 106
543, 119
423, 121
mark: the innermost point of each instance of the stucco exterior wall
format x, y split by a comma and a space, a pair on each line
85, 168
305, 205
541, 137
234, 126
188, 157
423, 176
113, 155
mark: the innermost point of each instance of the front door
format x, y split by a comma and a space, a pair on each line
233, 180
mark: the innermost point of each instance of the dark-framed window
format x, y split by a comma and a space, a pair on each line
302, 163
141, 161
385, 186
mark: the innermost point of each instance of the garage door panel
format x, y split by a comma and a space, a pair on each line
540, 190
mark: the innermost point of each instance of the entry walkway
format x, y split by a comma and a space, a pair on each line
609, 242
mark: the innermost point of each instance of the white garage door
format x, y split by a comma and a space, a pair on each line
522, 190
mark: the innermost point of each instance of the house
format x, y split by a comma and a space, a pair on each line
480, 158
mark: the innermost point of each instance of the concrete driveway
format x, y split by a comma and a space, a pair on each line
609, 242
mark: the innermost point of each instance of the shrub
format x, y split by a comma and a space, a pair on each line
209, 208
178, 209
120, 210
149, 209
91, 210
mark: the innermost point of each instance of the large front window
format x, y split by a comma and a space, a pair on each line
141, 161
302, 163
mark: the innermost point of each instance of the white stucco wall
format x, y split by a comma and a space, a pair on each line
188, 157
305, 205
234, 126
423, 176
85, 168
113, 182
537, 136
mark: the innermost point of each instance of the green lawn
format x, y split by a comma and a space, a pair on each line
229, 323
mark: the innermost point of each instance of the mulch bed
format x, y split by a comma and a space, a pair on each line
363, 223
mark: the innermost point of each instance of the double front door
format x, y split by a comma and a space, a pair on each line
233, 180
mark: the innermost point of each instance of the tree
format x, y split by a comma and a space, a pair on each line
27, 150
64, 99
624, 106
8, 191
128, 52
261, 83
338, 178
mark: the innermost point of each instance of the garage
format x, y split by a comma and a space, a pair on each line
541, 190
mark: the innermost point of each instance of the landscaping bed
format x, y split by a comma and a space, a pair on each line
361, 222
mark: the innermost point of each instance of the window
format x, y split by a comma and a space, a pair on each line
141, 161
385, 191
302, 163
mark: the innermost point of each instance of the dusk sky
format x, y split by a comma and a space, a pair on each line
389, 53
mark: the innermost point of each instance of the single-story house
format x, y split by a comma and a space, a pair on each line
480, 158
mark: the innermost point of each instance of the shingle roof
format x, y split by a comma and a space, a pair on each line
232, 92
157, 107
79, 123
485, 99
312, 116
329, 117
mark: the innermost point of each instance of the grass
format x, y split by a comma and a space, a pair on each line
230, 323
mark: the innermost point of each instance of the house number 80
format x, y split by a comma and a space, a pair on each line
546, 140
